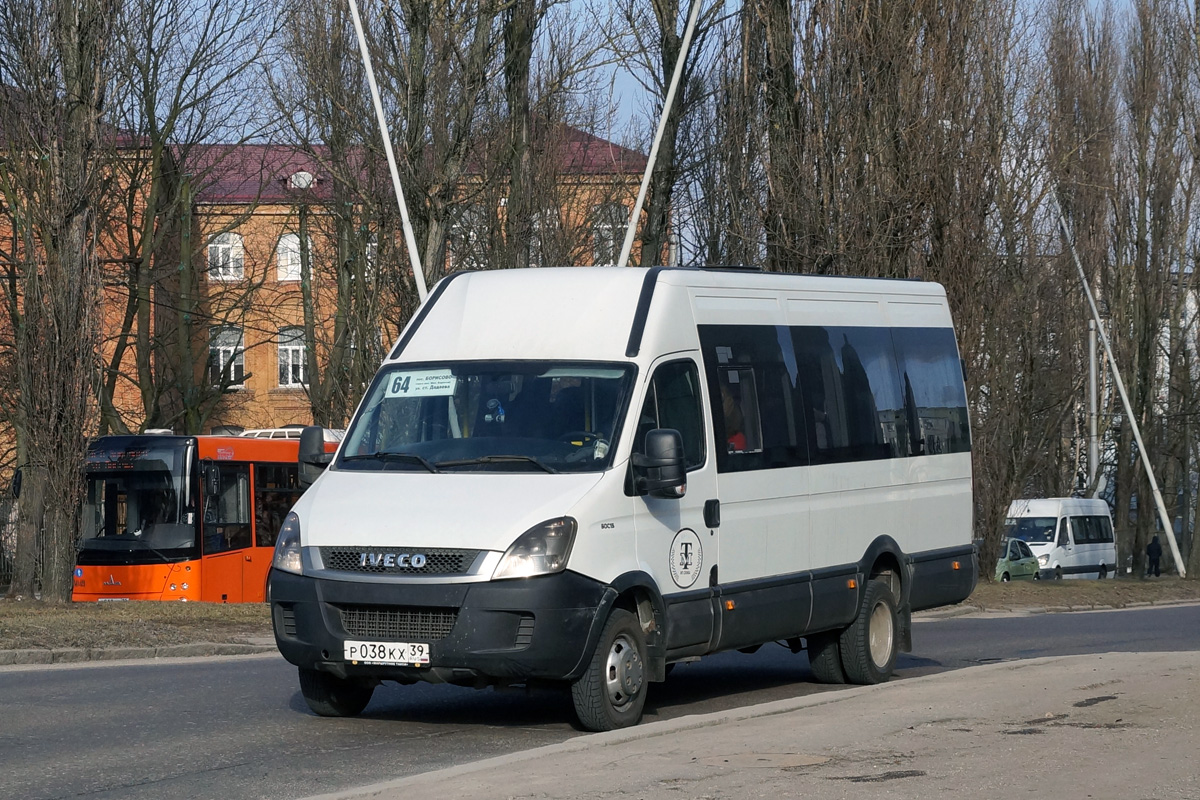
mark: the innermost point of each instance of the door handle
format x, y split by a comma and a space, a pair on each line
712, 513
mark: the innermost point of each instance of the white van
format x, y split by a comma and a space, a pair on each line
1072, 537
580, 476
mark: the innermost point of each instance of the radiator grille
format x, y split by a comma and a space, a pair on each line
398, 623
438, 561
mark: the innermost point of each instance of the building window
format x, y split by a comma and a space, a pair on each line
607, 230
468, 239
291, 358
301, 180
226, 356
288, 256
226, 257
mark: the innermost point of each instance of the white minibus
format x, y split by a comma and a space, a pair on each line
1072, 537
580, 476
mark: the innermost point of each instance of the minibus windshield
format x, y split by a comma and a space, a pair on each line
1036, 530
135, 507
526, 416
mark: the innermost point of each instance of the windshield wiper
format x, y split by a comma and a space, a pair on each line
462, 462
386, 455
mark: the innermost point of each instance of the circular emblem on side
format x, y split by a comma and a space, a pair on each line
686, 559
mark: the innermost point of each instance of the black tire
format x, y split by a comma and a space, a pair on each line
870, 645
1103, 573
1058, 573
1005, 578
612, 692
1037, 576
825, 658
330, 696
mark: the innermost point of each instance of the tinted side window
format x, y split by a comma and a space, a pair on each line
673, 401
935, 400
1104, 525
853, 406
752, 387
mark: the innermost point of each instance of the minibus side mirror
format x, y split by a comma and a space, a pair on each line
313, 458
661, 471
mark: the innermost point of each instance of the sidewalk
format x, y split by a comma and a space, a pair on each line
1115, 725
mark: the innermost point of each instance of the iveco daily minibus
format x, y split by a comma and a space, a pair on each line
581, 476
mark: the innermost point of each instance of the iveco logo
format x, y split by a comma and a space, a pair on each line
112, 581
389, 560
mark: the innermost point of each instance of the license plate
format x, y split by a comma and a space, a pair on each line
408, 654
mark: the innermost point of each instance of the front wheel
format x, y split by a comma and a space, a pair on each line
612, 692
1004, 578
330, 696
869, 646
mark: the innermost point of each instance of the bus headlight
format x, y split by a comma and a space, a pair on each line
541, 550
287, 546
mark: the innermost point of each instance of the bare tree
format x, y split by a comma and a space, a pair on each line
53, 56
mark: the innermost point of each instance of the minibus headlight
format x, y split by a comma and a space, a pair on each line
1043, 560
287, 546
541, 550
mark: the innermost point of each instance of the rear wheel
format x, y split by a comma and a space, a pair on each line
825, 658
612, 692
330, 696
1103, 572
869, 646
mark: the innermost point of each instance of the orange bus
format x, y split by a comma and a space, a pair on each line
184, 517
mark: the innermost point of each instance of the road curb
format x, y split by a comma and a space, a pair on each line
72, 655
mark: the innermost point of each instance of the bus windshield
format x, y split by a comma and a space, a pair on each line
1037, 530
490, 416
137, 506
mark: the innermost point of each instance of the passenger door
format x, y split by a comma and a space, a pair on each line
1066, 550
227, 535
674, 540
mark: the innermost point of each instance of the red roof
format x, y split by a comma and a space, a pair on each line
246, 173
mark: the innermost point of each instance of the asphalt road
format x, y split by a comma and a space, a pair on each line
238, 728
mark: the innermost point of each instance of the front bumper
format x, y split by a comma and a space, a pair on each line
514, 631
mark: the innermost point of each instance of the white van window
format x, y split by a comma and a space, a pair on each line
1064, 538
1037, 530
490, 416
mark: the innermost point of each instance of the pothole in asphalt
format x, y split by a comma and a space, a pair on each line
773, 760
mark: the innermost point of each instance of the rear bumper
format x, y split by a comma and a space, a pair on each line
543, 628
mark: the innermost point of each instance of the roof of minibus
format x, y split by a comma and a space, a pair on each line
1057, 506
585, 313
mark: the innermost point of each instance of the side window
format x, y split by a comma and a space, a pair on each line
1014, 552
935, 399
752, 388
276, 489
1104, 526
1024, 548
853, 404
227, 515
673, 401
1064, 538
